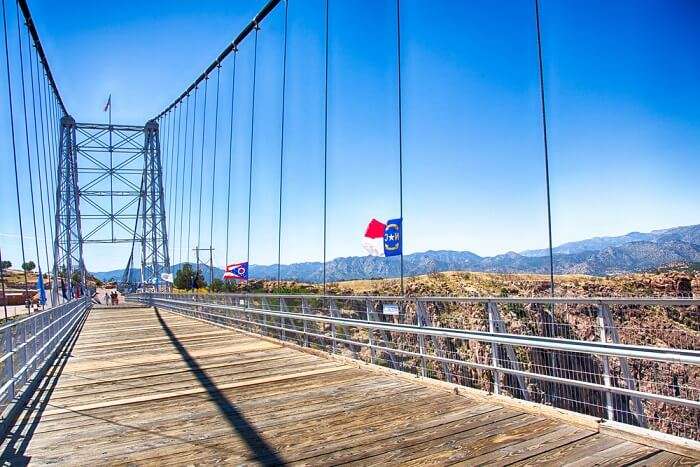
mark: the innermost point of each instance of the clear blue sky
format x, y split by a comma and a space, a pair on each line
623, 102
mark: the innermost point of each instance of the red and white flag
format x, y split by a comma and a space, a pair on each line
373, 241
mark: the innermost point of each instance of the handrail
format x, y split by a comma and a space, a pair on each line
28, 347
691, 357
536, 364
544, 300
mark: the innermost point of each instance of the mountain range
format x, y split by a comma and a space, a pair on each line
599, 256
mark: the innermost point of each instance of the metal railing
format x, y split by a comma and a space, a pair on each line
28, 348
630, 360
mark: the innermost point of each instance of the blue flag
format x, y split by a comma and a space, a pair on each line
392, 238
237, 271
40, 288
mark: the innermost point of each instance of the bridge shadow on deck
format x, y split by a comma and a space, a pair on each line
17, 443
264, 453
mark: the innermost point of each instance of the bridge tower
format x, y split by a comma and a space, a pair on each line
150, 219
68, 243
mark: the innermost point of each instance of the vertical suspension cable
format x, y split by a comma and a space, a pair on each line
184, 161
284, 92
189, 201
201, 170
164, 125
38, 162
14, 144
26, 132
400, 112
26, 138
169, 154
252, 139
230, 153
325, 152
174, 186
47, 175
546, 146
213, 178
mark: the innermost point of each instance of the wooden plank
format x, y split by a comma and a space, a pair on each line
529, 447
664, 458
142, 387
572, 452
622, 454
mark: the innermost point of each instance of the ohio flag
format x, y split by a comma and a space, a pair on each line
237, 271
383, 239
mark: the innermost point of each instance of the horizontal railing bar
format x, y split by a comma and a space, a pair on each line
597, 348
664, 301
582, 384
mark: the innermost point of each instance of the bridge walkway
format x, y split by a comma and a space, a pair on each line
151, 387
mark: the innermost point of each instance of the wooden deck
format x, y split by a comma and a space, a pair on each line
147, 387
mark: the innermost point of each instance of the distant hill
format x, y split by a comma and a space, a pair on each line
634, 252
689, 234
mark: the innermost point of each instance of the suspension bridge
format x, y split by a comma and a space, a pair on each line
176, 377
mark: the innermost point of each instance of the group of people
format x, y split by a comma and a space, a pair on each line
111, 298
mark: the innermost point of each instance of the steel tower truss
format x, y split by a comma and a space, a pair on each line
150, 220
68, 244
110, 191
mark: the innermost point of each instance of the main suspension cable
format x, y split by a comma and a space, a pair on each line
230, 152
14, 145
284, 92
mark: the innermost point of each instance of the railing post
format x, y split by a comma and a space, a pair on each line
331, 312
370, 332
9, 364
21, 341
495, 351
304, 311
265, 307
606, 365
283, 309
421, 337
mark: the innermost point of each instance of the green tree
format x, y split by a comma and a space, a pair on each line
187, 278
5, 265
217, 285
28, 266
